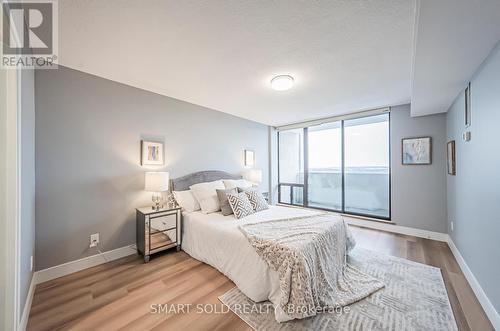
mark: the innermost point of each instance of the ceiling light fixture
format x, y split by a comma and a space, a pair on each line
282, 82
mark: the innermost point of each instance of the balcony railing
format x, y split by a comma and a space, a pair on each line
366, 191
291, 194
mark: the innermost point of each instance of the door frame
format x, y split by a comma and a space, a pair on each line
12, 198
11, 146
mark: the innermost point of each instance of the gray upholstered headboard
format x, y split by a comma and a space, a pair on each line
183, 183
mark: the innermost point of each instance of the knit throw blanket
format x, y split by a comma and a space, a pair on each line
309, 255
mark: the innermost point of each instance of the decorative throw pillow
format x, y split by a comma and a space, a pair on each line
206, 195
256, 199
240, 205
186, 200
224, 203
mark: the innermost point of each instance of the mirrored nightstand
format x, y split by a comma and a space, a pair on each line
158, 230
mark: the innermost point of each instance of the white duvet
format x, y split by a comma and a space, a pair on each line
216, 240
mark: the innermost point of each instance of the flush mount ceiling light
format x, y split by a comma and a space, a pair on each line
282, 83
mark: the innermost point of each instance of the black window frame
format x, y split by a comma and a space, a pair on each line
305, 184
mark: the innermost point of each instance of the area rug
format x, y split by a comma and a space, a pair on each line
414, 298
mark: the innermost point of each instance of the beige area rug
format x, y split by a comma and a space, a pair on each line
414, 298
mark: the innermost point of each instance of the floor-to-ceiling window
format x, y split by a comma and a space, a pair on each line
291, 166
366, 166
325, 166
340, 165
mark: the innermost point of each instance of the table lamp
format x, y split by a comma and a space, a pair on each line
254, 176
156, 182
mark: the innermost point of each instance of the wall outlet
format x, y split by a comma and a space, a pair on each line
94, 240
452, 226
32, 263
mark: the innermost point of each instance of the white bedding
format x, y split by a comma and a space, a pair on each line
216, 240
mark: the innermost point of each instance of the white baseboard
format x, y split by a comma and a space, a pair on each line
27, 305
386, 226
84, 263
66, 269
488, 307
486, 304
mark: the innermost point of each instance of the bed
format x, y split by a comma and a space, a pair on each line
218, 241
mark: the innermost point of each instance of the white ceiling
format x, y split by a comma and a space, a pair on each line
345, 55
453, 38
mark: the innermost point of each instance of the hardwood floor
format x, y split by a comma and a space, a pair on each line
120, 294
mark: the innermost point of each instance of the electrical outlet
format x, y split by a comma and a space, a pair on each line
32, 263
451, 226
94, 239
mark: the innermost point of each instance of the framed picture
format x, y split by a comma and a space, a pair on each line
467, 106
151, 153
249, 158
416, 151
450, 157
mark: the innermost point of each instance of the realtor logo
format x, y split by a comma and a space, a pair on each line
29, 34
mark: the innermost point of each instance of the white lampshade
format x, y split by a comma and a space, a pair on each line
253, 175
156, 181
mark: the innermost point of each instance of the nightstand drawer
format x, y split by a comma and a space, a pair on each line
163, 223
161, 239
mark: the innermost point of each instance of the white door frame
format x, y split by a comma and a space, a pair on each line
12, 211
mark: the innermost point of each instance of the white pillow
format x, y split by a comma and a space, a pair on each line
186, 200
206, 195
233, 183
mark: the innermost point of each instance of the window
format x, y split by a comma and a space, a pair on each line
325, 166
341, 166
366, 166
291, 167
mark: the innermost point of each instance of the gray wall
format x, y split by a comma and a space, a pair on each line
474, 193
88, 175
418, 191
27, 181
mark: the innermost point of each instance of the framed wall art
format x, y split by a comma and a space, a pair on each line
450, 158
152, 153
467, 106
249, 158
416, 151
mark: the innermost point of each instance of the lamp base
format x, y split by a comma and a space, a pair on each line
157, 199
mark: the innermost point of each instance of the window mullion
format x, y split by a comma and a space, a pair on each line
305, 192
342, 162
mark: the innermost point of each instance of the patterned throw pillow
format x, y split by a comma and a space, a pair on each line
256, 199
224, 203
240, 205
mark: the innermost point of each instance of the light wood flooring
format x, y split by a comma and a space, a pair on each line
119, 294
